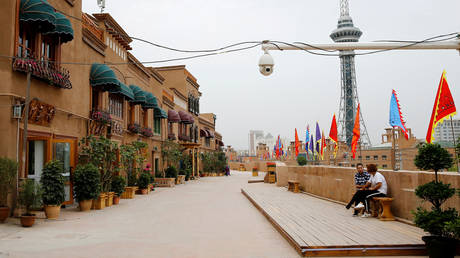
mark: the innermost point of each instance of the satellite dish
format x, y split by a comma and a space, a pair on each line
101, 4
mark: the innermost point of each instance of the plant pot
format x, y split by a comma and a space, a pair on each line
109, 199
85, 205
128, 193
255, 173
440, 247
4, 212
116, 199
99, 204
144, 191
27, 221
52, 211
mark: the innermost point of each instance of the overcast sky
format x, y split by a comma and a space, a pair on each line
303, 88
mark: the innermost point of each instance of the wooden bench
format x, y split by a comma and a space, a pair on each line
165, 182
385, 208
180, 179
293, 186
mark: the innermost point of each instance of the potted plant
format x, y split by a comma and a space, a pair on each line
52, 187
29, 196
301, 160
8, 171
143, 182
118, 187
86, 185
441, 241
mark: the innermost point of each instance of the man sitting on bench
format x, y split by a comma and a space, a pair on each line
361, 178
377, 188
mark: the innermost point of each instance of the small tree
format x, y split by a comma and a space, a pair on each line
171, 153
8, 172
29, 196
432, 156
87, 182
132, 160
52, 183
118, 185
301, 160
102, 153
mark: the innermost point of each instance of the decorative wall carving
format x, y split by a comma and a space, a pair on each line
41, 113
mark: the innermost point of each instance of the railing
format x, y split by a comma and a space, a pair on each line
134, 128
44, 70
147, 132
184, 138
101, 116
92, 27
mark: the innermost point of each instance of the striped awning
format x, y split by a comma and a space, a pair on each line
204, 133
102, 76
185, 117
139, 95
63, 28
150, 101
211, 134
125, 91
39, 13
160, 113
173, 116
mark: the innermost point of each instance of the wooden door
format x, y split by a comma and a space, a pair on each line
64, 151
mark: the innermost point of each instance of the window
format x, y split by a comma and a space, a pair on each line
170, 128
360, 157
207, 142
376, 157
95, 99
116, 105
384, 157
157, 125
131, 113
26, 40
368, 157
143, 116
46, 50
384, 165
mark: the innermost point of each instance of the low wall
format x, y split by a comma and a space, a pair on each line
337, 183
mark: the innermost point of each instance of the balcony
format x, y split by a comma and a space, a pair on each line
100, 116
134, 128
171, 137
45, 71
184, 138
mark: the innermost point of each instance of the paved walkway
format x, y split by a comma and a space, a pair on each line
205, 218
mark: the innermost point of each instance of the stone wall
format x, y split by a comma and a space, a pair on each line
337, 183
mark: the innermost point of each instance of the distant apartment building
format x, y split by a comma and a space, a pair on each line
443, 132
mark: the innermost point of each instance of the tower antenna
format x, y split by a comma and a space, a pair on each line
101, 4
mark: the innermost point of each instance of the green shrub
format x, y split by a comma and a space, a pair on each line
188, 173
301, 160
87, 182
434, 222
454, 228
8, 171
52, 183
435, 193
118, 185
152, 178
143, 181
171, 172
29, 196
432, 156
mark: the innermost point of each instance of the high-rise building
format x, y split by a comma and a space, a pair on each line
443, 132
347, 32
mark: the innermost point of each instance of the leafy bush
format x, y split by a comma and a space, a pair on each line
301, 160
435, 221
29, 196
52, 183
86, 182
118, 185
454, 228
152, 178
171, 172
188, 173
432, 156
271, 164
435, 193
143, 181
8, 171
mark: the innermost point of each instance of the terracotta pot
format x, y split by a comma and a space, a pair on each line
27, 221
116, 199
85, 205
52, 211
144, 191
4, 212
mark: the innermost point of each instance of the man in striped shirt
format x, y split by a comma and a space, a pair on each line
361, 178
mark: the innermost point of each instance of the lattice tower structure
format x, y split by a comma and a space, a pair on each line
347, 32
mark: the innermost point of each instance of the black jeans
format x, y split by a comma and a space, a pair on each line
365, 195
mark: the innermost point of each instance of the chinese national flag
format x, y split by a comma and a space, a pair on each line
444, 107
297, 143
356, 134
333, 134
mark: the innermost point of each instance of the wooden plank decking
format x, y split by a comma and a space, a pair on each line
318, 227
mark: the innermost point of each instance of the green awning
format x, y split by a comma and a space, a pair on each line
151, 101
39, 14
63, 28
102, 76
139, 95
160, 113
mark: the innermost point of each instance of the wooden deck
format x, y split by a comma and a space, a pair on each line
318, 227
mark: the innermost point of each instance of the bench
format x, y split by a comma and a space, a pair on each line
165, 182
385, 208
293, 186
180, 179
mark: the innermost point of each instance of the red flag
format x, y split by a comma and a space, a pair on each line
323, 145
297, 143
444, 107
356, 134
333, 134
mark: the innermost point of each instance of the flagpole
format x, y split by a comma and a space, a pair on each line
455, 145
393, 151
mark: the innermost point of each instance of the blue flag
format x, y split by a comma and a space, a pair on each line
318, 137
307, 138
312, 146
395, 114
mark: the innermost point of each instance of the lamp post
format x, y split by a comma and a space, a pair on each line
26, 121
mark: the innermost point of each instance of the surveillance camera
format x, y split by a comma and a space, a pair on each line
266, 64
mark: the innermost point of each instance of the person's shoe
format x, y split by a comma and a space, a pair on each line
348, 206
366, 215
355, 215
359, 206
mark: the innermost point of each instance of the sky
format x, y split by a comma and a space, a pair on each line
303, 88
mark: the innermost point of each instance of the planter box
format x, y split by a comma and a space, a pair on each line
271, 169
128, 193
99, 204
255, 173
180, 179
109, 199
165, 182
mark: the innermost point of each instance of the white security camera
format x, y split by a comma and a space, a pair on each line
266, 64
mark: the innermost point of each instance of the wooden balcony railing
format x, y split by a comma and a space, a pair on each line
44, 70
